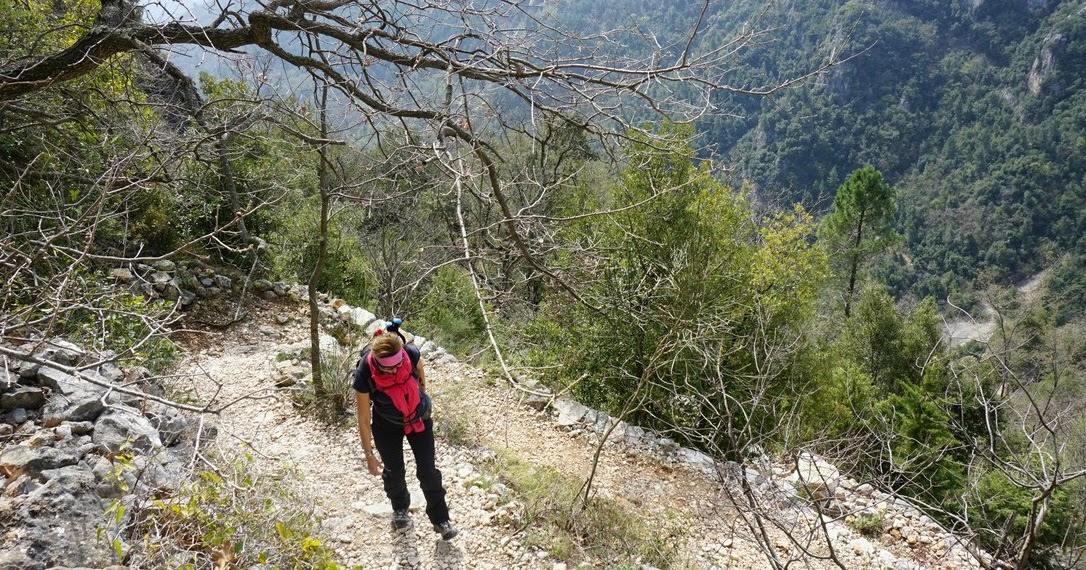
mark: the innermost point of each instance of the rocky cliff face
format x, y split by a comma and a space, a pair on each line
77, 454
1042, 74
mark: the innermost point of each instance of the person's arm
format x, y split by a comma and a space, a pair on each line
421, 373
362, 412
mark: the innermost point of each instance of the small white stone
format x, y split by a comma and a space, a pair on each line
63, 431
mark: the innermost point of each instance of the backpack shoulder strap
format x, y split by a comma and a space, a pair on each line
414, 354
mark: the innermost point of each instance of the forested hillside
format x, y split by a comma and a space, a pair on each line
976, 114
738, 224
975, 111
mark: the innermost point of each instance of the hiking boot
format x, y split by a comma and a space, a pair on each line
446, 530
401, 519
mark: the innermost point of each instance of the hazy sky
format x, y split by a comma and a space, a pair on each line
195, 11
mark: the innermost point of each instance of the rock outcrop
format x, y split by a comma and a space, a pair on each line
77, 455
1043, 74
190, 281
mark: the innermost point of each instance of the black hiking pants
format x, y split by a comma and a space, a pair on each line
388, 438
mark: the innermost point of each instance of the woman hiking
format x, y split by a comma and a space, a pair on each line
392, 405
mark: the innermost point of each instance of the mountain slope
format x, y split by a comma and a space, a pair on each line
975, 111
976, 115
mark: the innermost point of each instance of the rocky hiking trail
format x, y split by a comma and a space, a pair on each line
687, 508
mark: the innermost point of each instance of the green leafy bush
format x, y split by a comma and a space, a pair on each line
337, 368
870, 525
296, 237
840, 398
126, 331
925, 458
450, 313
154, 223
108, 318
688, 290
1003, 515
236, 517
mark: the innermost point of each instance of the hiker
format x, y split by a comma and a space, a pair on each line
392, 404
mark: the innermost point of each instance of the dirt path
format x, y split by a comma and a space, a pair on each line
685, 509
351, 503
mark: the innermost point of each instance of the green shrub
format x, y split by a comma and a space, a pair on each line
154, 223
925, 455
337, 368
109, 318
841, 395
125, 328
450, 311
346, 271
236, 517
1003, 511
870, 525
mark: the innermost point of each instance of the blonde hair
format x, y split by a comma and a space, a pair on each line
386, 344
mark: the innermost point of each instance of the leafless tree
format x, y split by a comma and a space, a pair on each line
510, 68
422, 79
1026, 385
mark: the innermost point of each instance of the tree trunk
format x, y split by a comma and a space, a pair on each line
319, 387
854, 264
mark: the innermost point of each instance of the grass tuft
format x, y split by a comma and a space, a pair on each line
870, 525
605, 532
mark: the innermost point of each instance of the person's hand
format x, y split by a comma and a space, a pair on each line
373, 465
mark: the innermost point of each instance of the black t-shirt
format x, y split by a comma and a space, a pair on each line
383, 408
